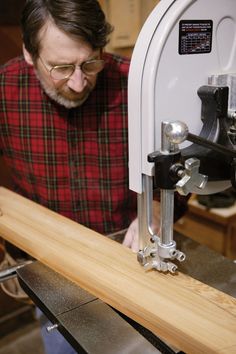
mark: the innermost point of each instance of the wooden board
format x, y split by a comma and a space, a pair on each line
186, 313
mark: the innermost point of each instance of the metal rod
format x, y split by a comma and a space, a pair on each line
145, 212
210, 145
10, 272
167, 216
149, 200
166, 199
142, 222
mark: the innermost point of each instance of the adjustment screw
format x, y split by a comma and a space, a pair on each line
52, 327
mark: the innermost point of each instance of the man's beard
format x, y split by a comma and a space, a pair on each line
68, 103
59, 98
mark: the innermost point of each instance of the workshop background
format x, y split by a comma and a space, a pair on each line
209, 224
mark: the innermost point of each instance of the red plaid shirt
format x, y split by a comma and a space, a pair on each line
73, 161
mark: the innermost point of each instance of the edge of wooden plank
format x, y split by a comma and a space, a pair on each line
178, 308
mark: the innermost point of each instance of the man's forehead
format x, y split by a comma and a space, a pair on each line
55, 43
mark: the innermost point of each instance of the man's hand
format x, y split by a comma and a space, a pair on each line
131, 236
131, 239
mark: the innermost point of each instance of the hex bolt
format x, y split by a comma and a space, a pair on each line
52, 327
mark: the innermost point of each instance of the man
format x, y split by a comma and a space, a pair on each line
64, 116
63, 120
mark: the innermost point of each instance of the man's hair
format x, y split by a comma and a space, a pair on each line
82, 19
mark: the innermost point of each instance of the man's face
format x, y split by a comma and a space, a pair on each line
57, 48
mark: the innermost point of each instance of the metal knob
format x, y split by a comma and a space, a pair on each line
176, 132
192, 179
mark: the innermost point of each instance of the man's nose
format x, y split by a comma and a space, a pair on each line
77, 80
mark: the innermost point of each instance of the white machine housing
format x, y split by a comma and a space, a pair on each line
183, 45
163, 83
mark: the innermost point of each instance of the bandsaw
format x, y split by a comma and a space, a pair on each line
181, 114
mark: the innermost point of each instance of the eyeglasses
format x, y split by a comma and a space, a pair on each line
88, 67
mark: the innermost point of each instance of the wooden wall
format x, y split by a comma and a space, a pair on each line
11, 46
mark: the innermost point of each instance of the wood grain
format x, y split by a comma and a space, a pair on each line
184, 312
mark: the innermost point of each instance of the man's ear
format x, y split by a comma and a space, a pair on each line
27, 56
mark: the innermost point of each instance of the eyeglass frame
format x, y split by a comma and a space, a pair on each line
74, 66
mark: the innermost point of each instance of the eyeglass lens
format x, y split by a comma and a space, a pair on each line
90, 67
